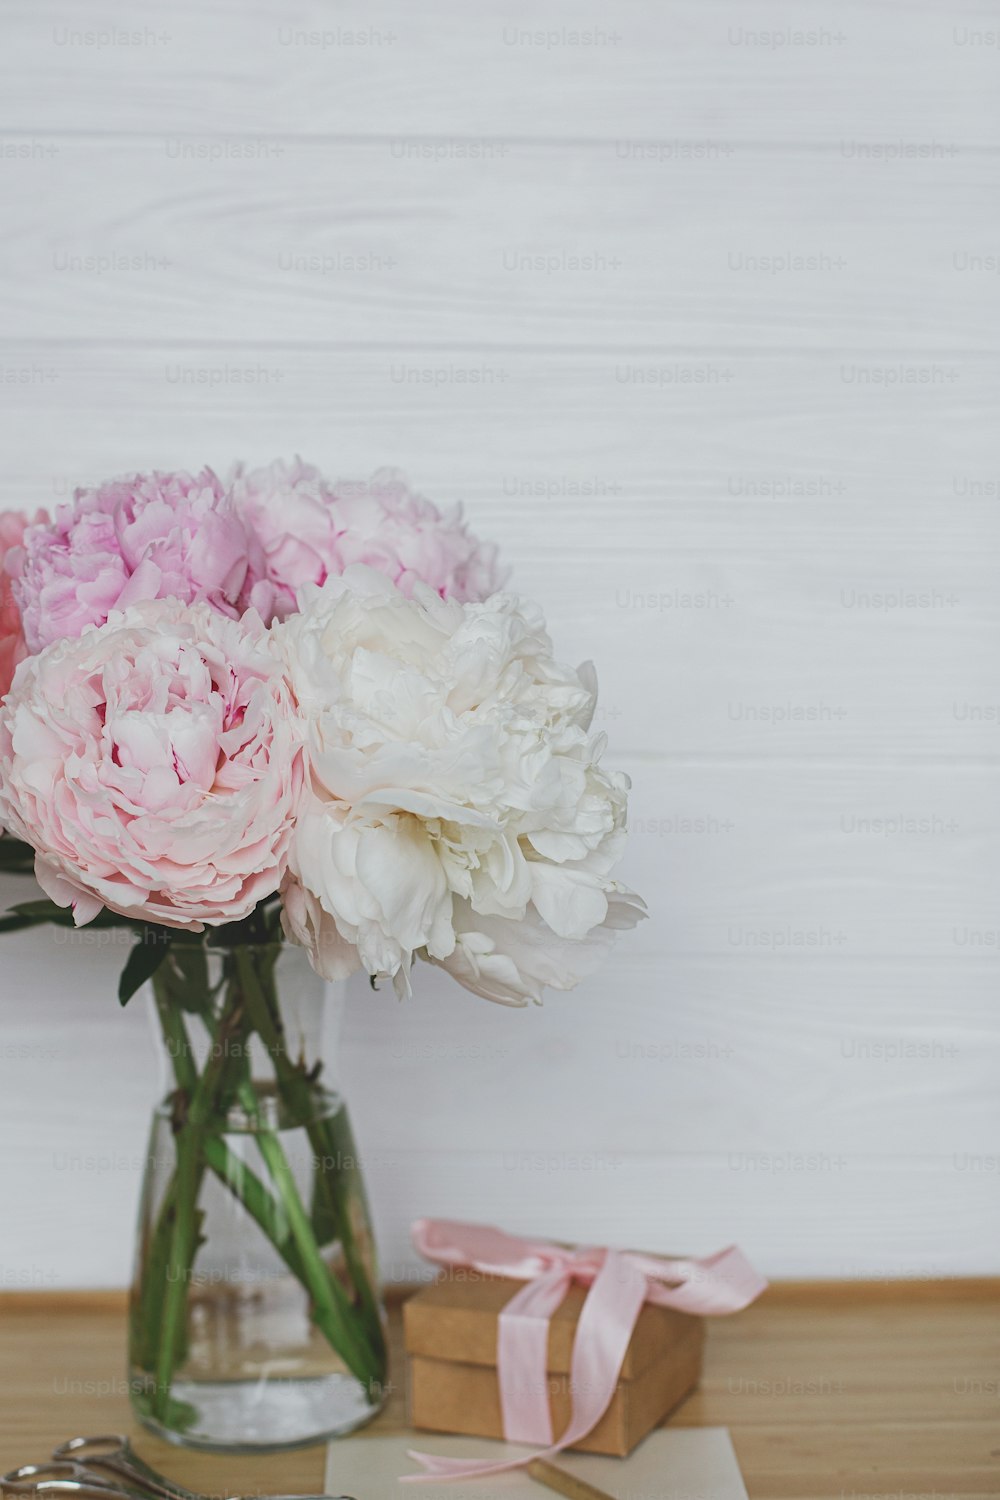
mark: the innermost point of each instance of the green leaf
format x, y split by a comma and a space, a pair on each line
190, 989
17, 924
16, 857
43, 911
33, 913
30, 913
144, 960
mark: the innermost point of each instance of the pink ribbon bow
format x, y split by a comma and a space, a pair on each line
620, 1281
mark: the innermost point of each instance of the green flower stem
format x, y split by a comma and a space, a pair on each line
332, 1143
263, 1208
266, 1211
297, 1089
147, 1311
179, 1259
332, 1311
189, 1142
255, 1198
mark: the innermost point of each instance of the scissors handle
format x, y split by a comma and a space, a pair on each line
112, 1454
58, 1478
107, 1445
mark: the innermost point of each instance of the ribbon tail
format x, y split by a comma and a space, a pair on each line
722, 1283
603, 1334
457, 1468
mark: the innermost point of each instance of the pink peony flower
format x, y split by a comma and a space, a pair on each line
289, 509
147, 536
154, 764
13, 649
311, 530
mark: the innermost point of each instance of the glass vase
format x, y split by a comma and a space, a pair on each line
255, 1320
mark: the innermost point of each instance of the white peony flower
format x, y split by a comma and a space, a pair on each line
456, 809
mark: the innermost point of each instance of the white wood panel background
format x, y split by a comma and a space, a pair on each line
712, 471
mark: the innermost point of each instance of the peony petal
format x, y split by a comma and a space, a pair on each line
570, 901
86, 906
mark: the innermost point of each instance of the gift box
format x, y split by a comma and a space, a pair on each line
452, 1331
556, 1346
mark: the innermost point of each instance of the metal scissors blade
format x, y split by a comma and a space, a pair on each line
107, 1468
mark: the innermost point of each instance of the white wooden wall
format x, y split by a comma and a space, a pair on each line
762, 496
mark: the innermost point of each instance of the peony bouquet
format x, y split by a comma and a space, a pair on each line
245, 717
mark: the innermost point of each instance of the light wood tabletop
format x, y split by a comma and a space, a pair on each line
852, 1391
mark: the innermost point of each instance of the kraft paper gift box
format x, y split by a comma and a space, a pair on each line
451, 1340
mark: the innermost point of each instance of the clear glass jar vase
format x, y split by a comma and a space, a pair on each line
255, 1320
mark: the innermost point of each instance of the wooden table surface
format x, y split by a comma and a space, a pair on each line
859, 1392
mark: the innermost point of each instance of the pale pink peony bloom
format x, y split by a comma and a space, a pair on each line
154, 763
146, 536
13, 524
311, 529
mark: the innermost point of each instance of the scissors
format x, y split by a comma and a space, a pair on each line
106, 1468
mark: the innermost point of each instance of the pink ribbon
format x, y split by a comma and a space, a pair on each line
620, 1281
